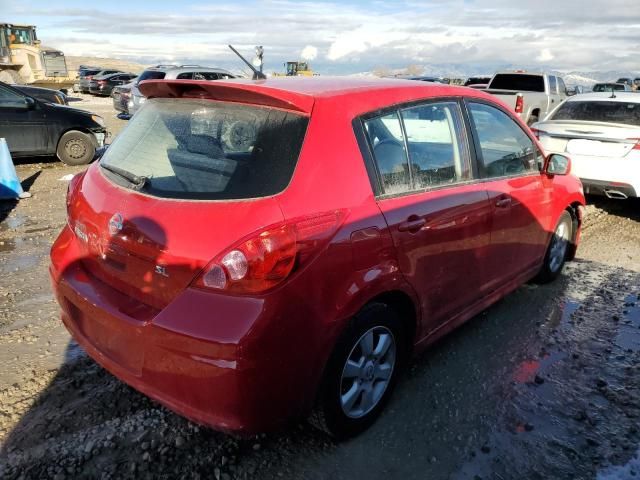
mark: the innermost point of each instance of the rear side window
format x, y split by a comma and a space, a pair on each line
434, 152
437, 150
209, 150
151, 75
387, 142
611, 112
184, 76
518, 81
205, 76
505, 149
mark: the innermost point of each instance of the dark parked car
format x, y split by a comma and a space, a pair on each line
33, 128
44, 94
477, 81
85, 79
103, 85
121, 96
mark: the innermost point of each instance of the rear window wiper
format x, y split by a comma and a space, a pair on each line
137, 181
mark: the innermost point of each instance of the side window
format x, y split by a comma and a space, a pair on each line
505, 149
205, 76
437, 148
9, 98
553, 88
562, 88
184, 76
385, 138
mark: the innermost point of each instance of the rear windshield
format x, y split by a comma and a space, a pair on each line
607, 87
522, 83
151, 75
202, 149
611, 112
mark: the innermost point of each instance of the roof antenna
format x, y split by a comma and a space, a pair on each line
257, 74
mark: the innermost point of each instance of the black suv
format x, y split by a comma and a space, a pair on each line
33, 128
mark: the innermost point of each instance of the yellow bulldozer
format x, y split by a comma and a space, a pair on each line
296, 69
23, 60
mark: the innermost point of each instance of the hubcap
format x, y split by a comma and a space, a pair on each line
558, 247
367, 372
75, 148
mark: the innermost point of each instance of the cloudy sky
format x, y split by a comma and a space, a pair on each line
346, 36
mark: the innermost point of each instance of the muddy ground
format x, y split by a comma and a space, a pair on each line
543, 385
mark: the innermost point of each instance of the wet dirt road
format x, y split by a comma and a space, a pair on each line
545, 384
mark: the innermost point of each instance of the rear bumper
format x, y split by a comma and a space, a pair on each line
218, 360
609, 189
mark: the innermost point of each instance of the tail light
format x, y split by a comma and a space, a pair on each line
268, 257
637, 145
519, 103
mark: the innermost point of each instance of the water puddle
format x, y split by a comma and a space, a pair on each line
628, 337
14, 221
627, 471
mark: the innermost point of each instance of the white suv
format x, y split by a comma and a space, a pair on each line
600, 132
174, 72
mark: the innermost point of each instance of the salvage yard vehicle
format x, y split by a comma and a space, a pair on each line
36, 128
601, 134
531, 95
103, 84
121, 96
609, 87
174, 72
230, 262
43, 94
85, 80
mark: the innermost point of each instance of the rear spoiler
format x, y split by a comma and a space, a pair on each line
255, 93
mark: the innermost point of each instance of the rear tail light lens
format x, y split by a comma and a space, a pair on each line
267, 258
637, 145
519, 103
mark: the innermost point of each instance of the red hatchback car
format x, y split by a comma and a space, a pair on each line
247, 251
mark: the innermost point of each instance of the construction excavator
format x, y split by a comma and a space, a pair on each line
23, 60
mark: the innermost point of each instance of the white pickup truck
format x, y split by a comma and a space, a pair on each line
531, 95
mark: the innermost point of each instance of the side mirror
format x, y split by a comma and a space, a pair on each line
558, 165
30, 103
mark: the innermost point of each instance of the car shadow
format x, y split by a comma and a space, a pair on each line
628, 208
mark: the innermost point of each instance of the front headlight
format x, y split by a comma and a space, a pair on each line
98, 119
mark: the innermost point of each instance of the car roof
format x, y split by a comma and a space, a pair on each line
300, 93
620, 96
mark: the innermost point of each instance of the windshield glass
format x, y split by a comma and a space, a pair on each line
151, 75
515, 81
209, 150
607, 87
611, 112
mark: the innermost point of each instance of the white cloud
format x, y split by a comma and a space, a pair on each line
309, 53
545, 55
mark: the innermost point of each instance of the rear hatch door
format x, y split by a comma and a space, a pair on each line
594, 139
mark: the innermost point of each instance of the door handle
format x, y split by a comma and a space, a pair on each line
503, 202
413, 224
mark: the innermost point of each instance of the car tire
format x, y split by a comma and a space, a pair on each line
361, 373
558, 249
76, 148
11, 77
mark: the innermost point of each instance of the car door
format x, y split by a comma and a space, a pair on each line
509, 161
554, 97
439, 218
23, 125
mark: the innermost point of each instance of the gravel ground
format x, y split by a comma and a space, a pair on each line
542, 385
